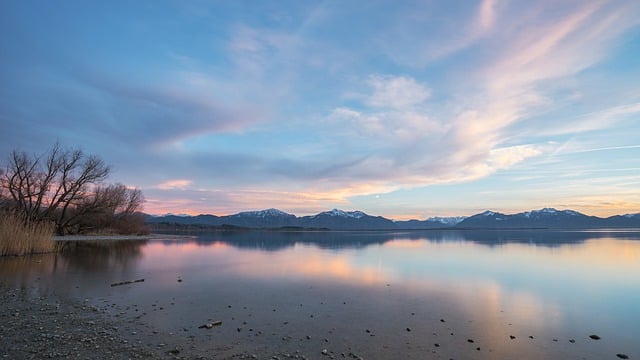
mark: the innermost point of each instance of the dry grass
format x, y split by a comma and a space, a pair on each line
18, 238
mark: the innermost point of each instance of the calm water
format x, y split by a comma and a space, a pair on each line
376, 294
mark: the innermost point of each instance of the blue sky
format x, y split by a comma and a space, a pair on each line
406, 109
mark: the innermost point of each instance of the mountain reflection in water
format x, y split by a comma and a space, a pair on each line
488, 285
274, 240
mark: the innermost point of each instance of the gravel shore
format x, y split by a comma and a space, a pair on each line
48, 327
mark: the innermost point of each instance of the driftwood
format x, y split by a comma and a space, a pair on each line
210, 325
127, 282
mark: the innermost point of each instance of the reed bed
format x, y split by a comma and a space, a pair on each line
18, 237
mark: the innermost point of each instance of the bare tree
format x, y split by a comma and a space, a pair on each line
52, 186
115, 207
118, 200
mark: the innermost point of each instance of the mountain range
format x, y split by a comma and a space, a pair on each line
547, 218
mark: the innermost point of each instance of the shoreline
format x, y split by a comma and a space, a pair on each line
121, 237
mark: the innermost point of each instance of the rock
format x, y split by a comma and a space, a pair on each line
594, 337
572, 341
622, 356
436, 345
408, 329
324, 352
470, 341
511, 337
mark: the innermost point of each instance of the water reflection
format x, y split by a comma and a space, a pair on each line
99, 256
273, 240
487, 284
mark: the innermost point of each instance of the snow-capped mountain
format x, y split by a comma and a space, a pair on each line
345, 220
547, 212
430, 223
263, 213
543, 218
449, 221
268, 218
342, 213
336, 219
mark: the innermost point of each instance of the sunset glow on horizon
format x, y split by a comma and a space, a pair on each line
405, 110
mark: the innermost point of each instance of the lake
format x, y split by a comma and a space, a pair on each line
381, 295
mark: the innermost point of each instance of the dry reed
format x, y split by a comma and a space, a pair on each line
20, 238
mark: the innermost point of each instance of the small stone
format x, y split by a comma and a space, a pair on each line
408, 329
594, 337
324, 352
436, 345
478, 348
442, 320
470, 340
572, 341
622, 356
511, 337
308, 337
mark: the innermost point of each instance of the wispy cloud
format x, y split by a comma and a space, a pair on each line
397, 92
174, 184
308, 105
608, 149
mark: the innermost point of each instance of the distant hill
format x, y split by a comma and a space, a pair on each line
547, 218
544, 218
346, 220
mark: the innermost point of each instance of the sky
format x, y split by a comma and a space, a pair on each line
404, 109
